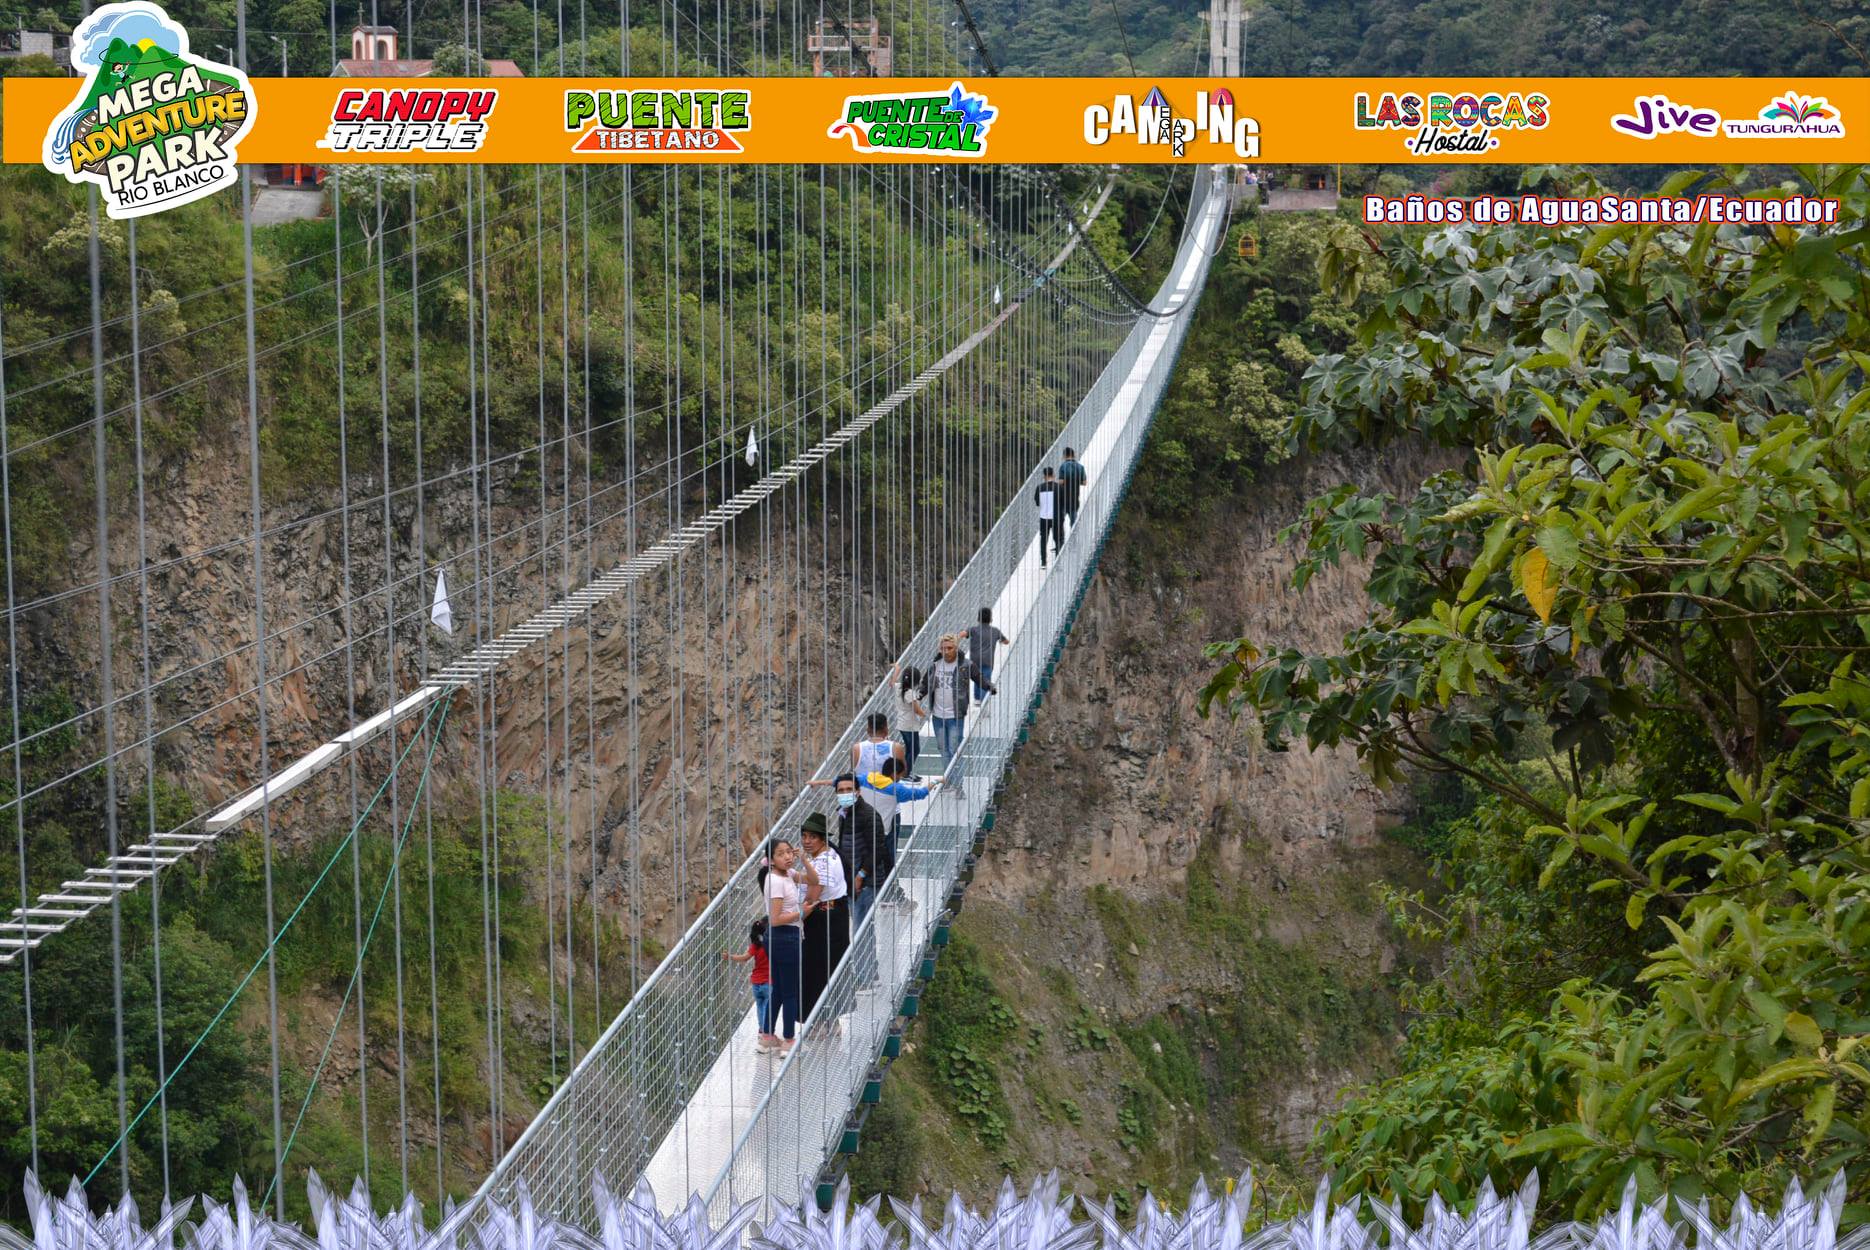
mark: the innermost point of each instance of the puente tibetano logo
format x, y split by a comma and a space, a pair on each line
154, 127
936, 125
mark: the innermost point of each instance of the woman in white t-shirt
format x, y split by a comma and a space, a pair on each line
784, 878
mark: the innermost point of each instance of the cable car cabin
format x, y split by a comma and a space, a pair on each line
1303, 188
1249, 247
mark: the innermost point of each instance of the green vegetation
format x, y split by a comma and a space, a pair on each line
969, 1028
1632, 622
1438, 37
1262, 320
212, 931
1565, 37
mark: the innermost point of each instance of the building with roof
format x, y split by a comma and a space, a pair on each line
376, 53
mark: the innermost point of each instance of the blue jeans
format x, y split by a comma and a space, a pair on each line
986, 675
948, 732
912, 747
763, 1004
784, 947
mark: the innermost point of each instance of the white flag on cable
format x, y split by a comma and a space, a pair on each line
996, 295
753, 449
441, 613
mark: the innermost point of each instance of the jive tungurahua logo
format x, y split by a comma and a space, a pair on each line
153, 127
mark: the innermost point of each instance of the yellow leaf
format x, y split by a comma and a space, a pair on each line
1533, 573
1802, 1029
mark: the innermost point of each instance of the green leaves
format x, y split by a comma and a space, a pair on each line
1634, 621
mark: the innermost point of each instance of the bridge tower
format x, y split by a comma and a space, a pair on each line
853, 49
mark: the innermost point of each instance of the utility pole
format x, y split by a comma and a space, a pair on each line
285, 71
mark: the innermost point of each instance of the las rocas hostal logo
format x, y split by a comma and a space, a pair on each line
153, 127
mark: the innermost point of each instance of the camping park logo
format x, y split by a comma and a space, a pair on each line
935, 125
153, 127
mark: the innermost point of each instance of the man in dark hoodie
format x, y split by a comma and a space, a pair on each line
864, 840
1071, 480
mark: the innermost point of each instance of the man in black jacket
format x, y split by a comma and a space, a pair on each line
865, 842
1071, 481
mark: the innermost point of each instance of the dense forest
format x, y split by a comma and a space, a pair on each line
1626, 632
1351, 37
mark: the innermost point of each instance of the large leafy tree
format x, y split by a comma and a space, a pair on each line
1636, 620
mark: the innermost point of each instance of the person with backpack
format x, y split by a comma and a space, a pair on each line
1071, 484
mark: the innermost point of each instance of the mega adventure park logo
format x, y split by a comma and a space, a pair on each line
652, 123
153, 127
1154, 122
422, 119
1453, 122
1790, 116
935, 125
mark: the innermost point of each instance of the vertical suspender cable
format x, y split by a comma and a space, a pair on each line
259, 627
545, 601
422, 549
149, 710
19, 784
350, 633
106, 692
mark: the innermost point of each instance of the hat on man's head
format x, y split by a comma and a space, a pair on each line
814, 823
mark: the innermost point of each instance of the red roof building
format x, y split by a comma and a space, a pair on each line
374, 54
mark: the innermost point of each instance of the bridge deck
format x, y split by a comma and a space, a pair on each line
697, 1152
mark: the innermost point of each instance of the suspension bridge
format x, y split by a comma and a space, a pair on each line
542, 536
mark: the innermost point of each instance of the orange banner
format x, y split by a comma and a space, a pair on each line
330, 121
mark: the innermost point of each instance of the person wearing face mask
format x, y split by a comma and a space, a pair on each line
864, 837
948, 678
885, 790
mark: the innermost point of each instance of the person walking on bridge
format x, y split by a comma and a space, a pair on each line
782, 881
1046, 500
827, 915
862, 836
1071, 483
982, 638
868, 754
761, 979
948, 676
909, 713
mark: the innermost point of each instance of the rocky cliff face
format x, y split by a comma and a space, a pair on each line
1179, 920
667, 729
